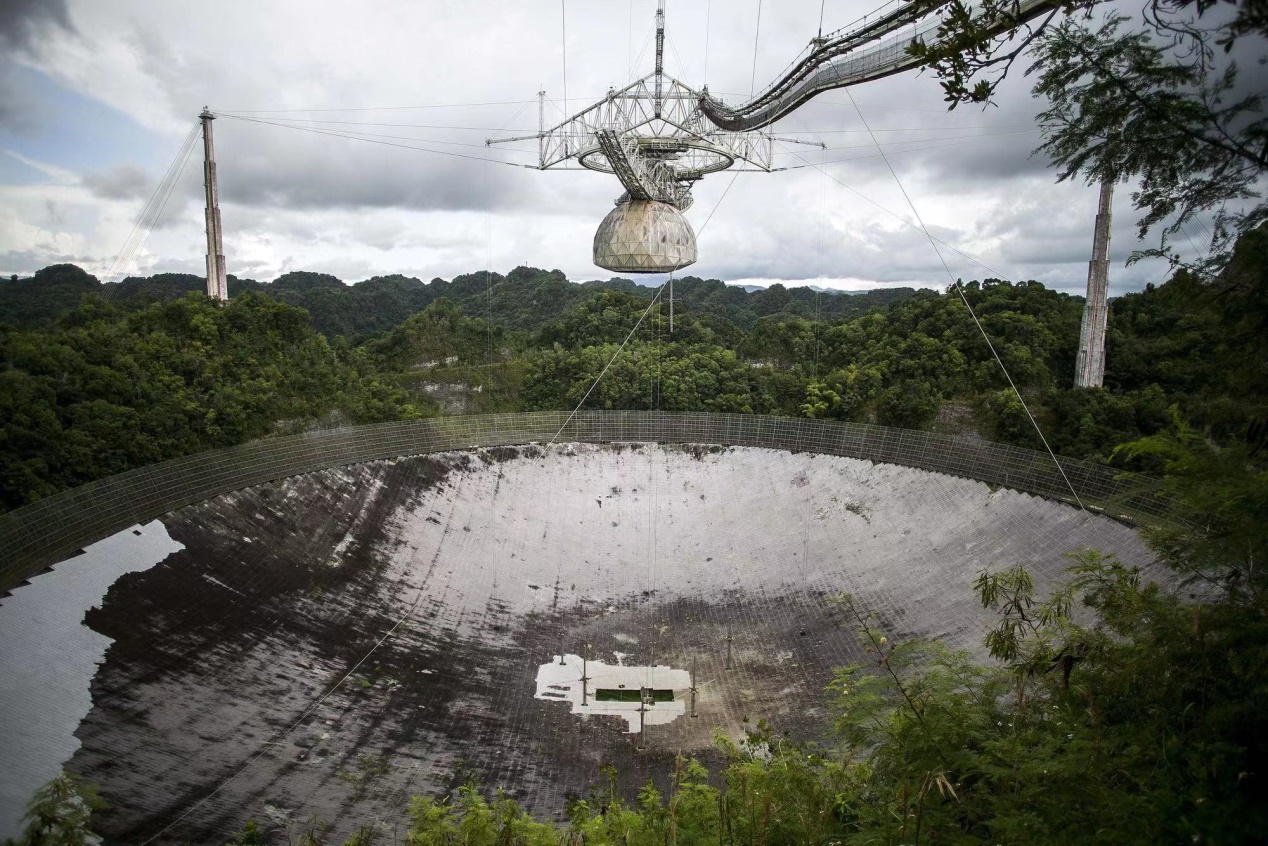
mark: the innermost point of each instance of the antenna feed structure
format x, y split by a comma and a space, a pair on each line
653, 137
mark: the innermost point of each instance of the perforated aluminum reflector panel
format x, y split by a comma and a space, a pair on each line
486, 566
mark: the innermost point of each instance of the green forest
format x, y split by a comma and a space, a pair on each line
1144, 723
99, 378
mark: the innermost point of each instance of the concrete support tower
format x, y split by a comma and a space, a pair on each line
217, 279
1089, 370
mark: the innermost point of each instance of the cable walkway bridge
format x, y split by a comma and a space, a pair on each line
871, 48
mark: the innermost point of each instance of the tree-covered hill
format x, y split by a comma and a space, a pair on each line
149, 369
105, 390
524, 299
38, 300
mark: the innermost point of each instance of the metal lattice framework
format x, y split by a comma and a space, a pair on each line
652, 135
43, 533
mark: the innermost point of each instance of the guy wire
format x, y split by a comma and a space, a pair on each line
641, 318
955, 283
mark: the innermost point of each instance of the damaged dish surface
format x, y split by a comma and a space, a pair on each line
330, 645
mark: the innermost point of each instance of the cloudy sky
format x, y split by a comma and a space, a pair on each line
97, 97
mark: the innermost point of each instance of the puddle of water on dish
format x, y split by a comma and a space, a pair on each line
49, 658
616, 690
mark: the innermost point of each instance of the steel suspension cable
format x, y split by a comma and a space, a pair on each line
904, 221
934, 143
563, 29
757, 34
170, 176
374, 141
641, 318
488, 248
615, 355
955, 283
377, 108
652, 540
823, 212
823, 204
443, 126
682, 66
488, 263
153, 208
708, 17
359, 135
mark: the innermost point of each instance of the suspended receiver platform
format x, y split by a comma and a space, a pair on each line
654, 138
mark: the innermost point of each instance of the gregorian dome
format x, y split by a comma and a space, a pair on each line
644, 236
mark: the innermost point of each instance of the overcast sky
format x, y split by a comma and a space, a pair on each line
96, 98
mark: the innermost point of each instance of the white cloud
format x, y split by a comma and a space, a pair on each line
56, 175
293, 200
